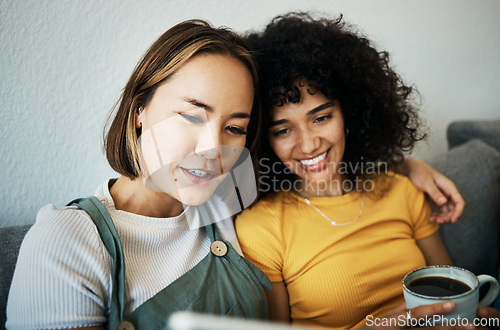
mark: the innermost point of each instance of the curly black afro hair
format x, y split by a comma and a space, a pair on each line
331, 56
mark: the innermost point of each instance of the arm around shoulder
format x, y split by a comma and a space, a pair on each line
441, 190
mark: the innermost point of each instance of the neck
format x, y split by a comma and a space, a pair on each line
322, 189
132, 196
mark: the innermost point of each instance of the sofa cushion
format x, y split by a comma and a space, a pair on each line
11, 238
473, 241
462, 131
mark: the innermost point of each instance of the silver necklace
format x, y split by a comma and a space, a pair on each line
335, 223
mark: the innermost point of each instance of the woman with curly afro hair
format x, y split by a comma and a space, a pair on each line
336, 229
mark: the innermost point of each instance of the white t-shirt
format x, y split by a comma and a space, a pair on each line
63, 273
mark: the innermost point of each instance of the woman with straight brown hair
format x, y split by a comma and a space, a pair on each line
160, 238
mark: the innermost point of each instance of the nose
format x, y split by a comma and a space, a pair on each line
209, 141
308, 141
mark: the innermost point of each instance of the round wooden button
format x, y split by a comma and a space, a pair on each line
125, 325
218, 248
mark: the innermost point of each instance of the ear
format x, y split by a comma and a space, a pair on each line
138, 117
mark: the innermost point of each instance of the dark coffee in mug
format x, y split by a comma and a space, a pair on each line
435, 286
432, 284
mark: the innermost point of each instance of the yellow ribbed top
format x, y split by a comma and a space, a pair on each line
337, 275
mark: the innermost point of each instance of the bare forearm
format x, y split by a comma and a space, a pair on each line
278, 305
434, 251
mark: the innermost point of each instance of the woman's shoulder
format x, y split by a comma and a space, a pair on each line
396, 179
70, 221
271, 203
64, 235
67, 219
63, 229
394, 185
402, 183
265, 210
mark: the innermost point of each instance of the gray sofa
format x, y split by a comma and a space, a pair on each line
472, 162
10, 241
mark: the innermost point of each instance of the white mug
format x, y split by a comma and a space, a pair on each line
466, 303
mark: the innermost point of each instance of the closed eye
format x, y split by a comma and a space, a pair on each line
236, 130
193, 118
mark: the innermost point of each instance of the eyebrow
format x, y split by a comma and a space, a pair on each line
199, 104
320, 107
310, 112
208, 108
243, 115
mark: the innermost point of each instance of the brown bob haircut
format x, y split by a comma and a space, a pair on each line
161, 60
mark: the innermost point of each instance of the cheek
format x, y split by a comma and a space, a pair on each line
338, 141
169, 141
275, 146
229, 155
177, 144
282, 149
334, 133
339, 137
239, 140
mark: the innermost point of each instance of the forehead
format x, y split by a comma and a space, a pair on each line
216, 79
309, 99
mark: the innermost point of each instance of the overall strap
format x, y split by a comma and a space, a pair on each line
212, 231
111, 241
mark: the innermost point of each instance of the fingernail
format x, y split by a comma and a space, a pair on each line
441, 200
482, 312
448, 306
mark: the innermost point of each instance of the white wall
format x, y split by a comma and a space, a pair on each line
63, 64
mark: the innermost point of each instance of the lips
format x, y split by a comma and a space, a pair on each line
315, 164
198, 176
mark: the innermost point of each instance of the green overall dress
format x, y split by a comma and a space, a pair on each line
223, 283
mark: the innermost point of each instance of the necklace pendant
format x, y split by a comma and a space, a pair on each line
334, 223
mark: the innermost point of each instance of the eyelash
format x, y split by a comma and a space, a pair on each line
192, 119
198, 121
319, 119
236, 130
281, 132
323, 118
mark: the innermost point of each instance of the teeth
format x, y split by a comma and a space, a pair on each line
198, 173
313, 161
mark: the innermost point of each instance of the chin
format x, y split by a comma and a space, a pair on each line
196, 195
322, 179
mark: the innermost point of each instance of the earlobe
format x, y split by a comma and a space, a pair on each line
138, 120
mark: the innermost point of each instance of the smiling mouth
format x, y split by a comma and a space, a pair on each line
198, 176
315, 160
199, 173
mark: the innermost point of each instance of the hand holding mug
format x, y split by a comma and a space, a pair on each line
434, 284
